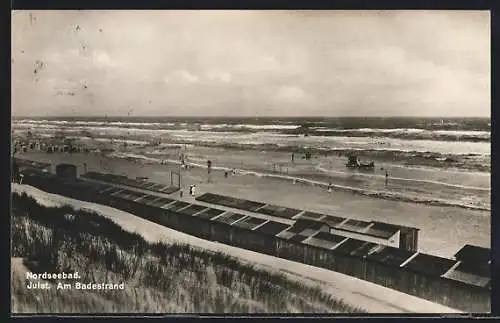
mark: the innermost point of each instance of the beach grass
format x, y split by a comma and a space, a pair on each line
158, 277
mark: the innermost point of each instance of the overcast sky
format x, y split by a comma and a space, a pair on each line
251, 63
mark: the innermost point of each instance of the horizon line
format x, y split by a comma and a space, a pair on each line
240, 117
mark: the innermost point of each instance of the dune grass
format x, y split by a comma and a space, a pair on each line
158, 277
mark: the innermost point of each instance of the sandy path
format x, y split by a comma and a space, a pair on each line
444, 230
372, 297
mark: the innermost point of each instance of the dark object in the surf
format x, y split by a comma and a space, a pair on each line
209, 166
226, 174
307, 155
353, 162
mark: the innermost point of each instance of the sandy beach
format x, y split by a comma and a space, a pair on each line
444, 230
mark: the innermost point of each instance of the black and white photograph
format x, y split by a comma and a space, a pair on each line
250, 162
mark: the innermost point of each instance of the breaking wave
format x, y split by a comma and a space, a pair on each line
425, 132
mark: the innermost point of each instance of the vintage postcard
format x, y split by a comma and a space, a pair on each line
237, 162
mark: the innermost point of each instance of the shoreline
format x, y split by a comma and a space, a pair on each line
315, 180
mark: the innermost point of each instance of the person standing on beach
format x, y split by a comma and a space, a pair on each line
386, 178
329, 187
209, 170
84, 167
293, 157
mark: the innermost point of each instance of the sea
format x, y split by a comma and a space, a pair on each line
460, 147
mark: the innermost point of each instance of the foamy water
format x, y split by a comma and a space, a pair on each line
451, 172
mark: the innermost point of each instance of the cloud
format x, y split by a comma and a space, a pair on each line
291, 95
325, 63
184, 77
219, 77
101, 59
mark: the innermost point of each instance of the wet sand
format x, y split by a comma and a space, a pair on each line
444, 230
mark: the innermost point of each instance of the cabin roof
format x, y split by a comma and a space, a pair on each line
329, 237
429, 264
230, 201
311, 215
469, 278
303, 224
320, 243
349, 246
209, 213
272, 227
162, 201
249, 222
177, 206
192, 209
390, 255
298, 238
279, 211
354, 225
230, 217
332, 220
285, 234
479, 269
382, 230
207, 197
470, 253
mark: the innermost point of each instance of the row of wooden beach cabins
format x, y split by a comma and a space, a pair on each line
372, 251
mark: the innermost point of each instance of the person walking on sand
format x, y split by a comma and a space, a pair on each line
181, 193
386, 178
329, 187
193, 190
